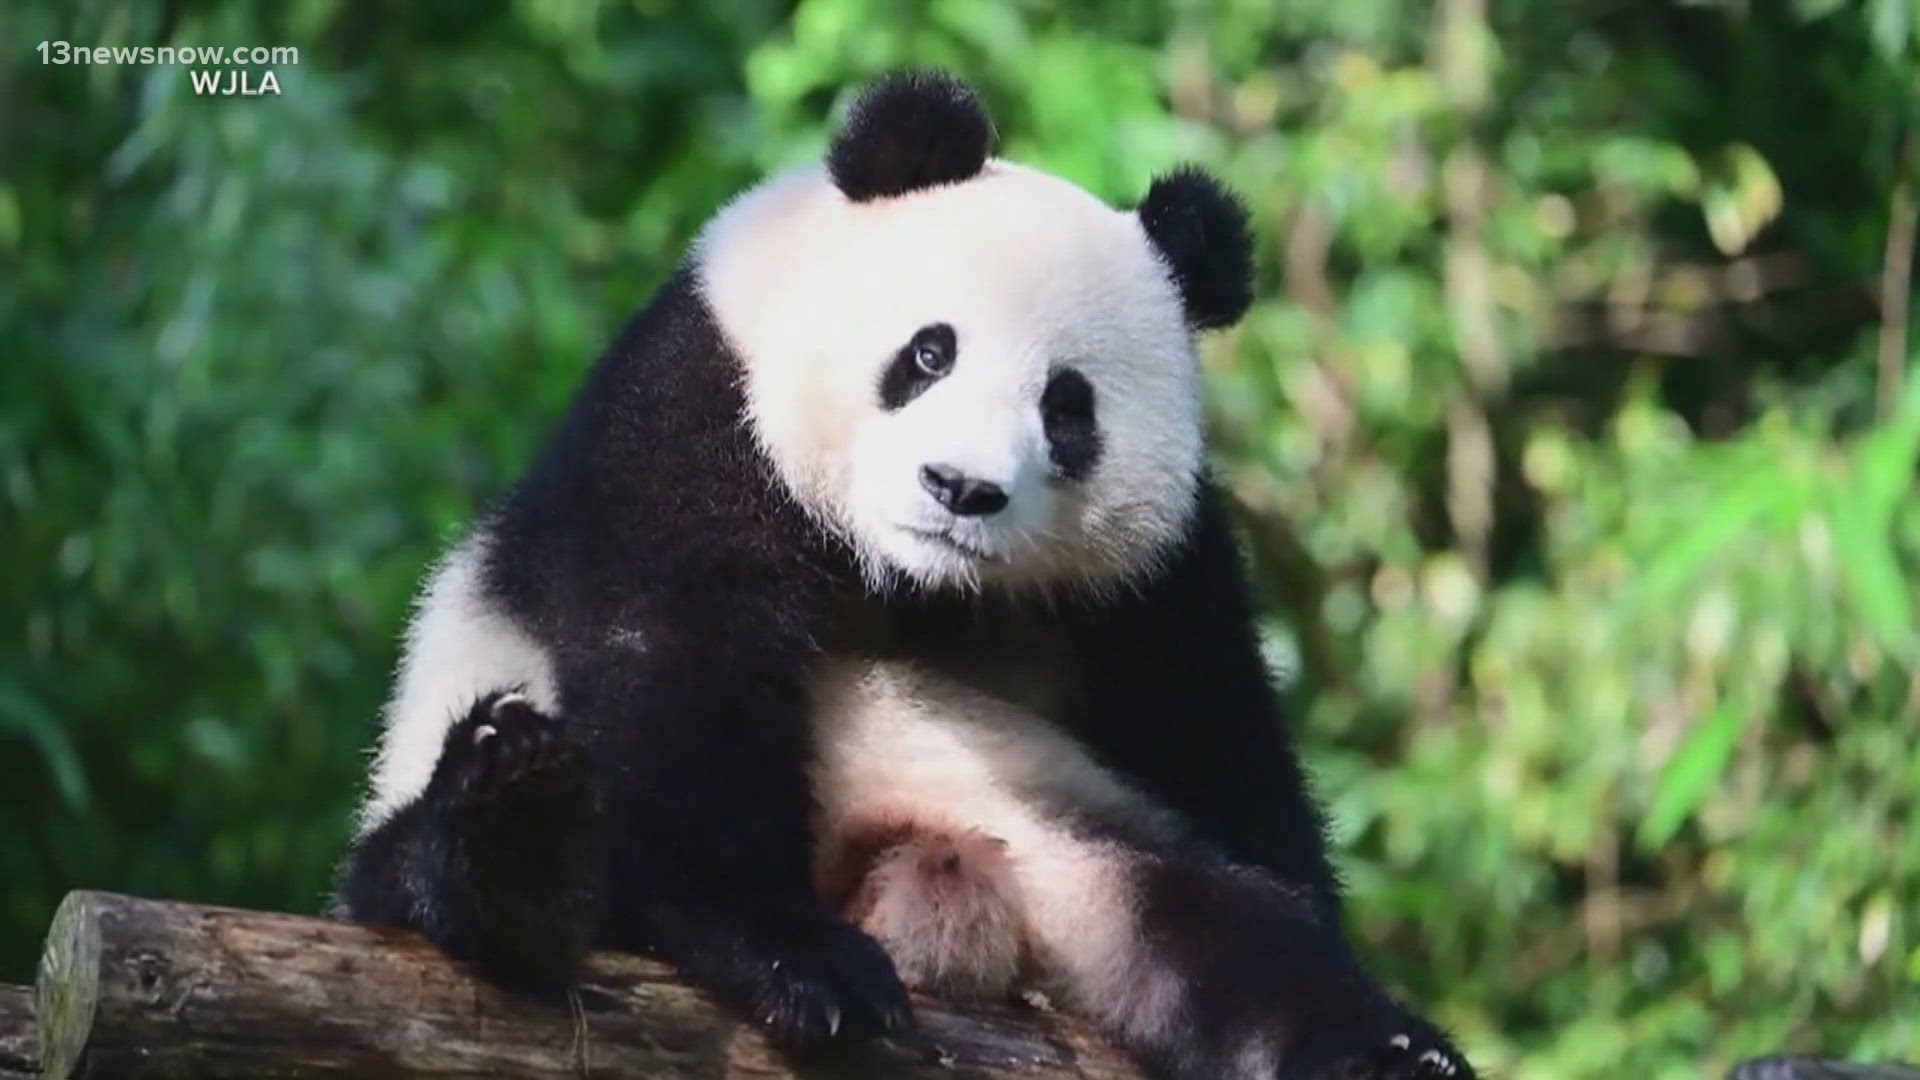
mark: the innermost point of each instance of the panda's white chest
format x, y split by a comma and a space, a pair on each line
898, 740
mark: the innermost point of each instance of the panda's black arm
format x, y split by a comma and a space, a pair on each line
392, 873
698, 728
677, 592
681, 592
493, 860
1176, 695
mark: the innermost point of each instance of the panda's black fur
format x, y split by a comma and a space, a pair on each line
926, 130
683, 598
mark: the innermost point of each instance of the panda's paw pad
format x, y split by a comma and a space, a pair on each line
505, 749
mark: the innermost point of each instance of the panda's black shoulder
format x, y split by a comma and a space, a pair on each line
650, 481
1174, 692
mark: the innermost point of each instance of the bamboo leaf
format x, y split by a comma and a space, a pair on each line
1872, 572
23, 714
1691, 772
1884, 459
1891, 23
1759, 495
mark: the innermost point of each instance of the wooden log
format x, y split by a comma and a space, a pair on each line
19, 1038
1799, 1068
136, 988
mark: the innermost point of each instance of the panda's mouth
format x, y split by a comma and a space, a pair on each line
951, 543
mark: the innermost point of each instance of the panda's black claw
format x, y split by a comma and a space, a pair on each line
1414, 1051
810, 983
871, 988
896, 1016
798, 1011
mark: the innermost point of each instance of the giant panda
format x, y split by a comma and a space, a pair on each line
871, 614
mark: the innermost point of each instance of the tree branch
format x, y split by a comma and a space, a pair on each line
19, 1043
132, 987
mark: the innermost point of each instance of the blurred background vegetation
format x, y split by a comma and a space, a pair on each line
1574, 430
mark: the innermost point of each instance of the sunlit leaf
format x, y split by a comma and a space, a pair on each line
1893, 25
1818, 9
1884, 460
1742, 196
1710, 534
1693, 769
1873, 573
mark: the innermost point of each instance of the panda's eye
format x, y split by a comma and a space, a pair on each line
933, 350
925, 359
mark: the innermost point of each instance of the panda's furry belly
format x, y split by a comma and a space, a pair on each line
977, 842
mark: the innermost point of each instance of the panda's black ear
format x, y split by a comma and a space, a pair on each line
910, 130
1200, 229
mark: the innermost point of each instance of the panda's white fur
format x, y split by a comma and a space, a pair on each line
813, 289
459, 646
901, 744
945, 906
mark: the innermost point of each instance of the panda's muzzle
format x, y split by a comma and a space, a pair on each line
960, 494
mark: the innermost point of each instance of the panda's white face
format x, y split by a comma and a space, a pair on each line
982, 383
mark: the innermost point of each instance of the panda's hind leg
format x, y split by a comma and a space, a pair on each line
493, 861
942, 902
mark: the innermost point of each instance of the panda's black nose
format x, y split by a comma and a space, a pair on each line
960, 493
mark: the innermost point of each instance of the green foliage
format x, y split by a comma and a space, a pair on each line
1572, 465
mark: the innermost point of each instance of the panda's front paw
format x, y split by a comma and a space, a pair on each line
1413, 1050
807, 981
505, 754
514, 816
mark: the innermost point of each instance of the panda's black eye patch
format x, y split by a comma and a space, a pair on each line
1073, 431
925, 359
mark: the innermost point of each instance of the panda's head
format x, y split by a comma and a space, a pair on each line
974, 372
